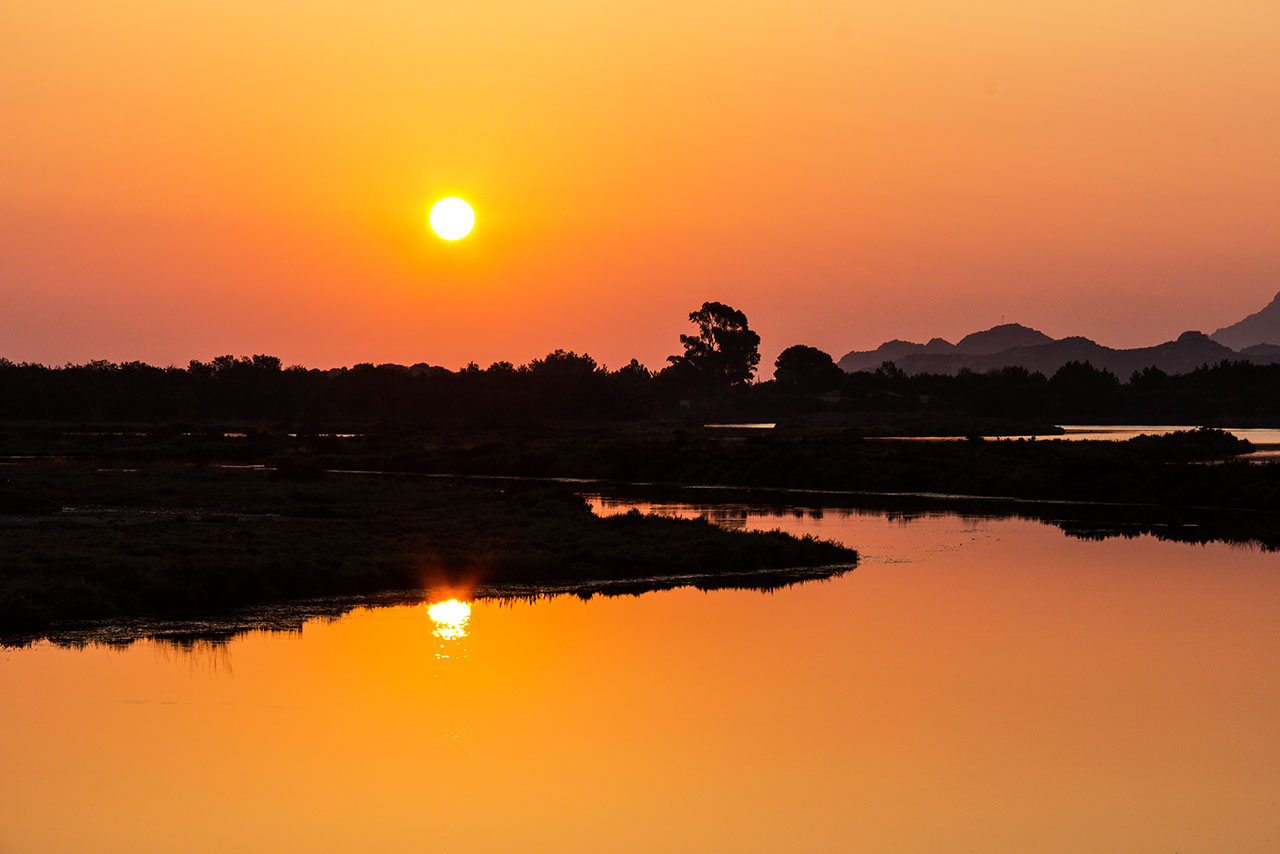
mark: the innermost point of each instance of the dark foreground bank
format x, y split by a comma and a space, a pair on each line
79, 540
103, 524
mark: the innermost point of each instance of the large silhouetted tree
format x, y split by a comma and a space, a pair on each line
725, 351
806, 369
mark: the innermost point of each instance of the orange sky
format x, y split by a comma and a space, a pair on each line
183, 180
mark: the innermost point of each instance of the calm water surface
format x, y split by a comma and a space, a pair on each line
976, 684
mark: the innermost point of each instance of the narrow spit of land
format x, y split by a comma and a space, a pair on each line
1188, 469
103, 523
1166, 470
80, 540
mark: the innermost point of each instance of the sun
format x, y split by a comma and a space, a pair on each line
451, 218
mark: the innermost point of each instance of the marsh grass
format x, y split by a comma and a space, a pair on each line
164, 522
176, 540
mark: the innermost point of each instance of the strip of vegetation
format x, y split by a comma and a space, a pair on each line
713, 377
1166, 470
1170, 471
167, 539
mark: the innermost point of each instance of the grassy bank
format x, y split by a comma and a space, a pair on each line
1166, 470
160, 538
1190, 469
163, 526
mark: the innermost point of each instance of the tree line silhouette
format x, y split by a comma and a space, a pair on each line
713, 374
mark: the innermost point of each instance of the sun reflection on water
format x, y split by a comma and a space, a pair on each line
450, 619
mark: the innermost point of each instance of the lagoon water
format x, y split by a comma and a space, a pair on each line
975, 684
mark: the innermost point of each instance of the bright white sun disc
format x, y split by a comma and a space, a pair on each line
452, 218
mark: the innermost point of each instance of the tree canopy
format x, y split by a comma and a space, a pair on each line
725, 351
807, 369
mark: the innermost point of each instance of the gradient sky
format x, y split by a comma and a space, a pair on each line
182, 180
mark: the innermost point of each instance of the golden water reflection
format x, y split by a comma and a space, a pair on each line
450, 618
974, 685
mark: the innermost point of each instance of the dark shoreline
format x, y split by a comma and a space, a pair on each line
182, 523
289, 617
808, 456
79, 541
1086, 520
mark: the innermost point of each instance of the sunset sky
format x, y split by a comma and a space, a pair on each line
183, 180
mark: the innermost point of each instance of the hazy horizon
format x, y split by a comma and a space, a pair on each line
764, 372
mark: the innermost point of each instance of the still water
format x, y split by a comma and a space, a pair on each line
975, 684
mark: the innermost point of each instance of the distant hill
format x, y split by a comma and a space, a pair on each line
1255, 339
943, 356
1262, 327
1190, 351
1262, 353
887, 352
1006, 336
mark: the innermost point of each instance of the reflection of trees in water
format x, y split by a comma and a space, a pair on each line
206, 642
1232, 528
209, 655
729, 517
1094, 521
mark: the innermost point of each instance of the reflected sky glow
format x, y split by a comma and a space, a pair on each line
993, 684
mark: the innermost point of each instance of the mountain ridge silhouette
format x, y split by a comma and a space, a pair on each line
1256, 339
1260, 328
